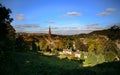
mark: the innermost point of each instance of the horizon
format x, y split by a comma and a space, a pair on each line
64, 16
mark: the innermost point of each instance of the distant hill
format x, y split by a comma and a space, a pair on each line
113, 33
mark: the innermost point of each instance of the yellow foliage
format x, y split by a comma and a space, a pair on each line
91, 47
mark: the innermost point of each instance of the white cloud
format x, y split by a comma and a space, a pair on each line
94, 26
110, 9
24, 27
19, 17
103, 13
73, 14
107, 12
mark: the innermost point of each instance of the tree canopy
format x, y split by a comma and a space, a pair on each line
7, 32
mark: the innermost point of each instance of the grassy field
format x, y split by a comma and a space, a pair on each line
31, 63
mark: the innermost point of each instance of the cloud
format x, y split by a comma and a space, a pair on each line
107, 12
73, 14
110, 9
103, 13
24, 27
94, 26
27, 26
71, 32
50, 21
19, 17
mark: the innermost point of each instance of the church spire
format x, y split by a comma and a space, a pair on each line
49, 33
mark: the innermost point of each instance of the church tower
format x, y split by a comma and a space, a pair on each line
49, 33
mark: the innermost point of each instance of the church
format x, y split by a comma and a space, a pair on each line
51, 42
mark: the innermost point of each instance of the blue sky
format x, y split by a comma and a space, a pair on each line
63, 16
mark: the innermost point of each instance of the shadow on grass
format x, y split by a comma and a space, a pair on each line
35, 64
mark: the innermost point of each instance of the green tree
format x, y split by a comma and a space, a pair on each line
100, 58
34, 47
82, 56
91, 59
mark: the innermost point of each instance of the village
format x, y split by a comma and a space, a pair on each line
73, 53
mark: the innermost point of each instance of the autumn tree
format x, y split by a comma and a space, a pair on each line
80, 46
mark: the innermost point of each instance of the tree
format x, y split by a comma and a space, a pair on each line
100, 58
82, 56
110, 50
91, 59
91, 48
7, 32
21, 45
110, 56
114, 32
69, 44
34, 47
5, 15
80, 46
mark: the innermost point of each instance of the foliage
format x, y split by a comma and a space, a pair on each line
115, 30
91, 59
34, 46
110, 46
21, 45
7, 32
80, 46
59, 45
110, 56
82, 56
69, 44
112, 33
43, 45
91, 48
100, 58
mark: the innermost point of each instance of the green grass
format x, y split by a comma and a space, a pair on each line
31, 63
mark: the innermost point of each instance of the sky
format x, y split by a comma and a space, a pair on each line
63, 16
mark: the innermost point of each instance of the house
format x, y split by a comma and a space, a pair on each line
77, 54
66, 51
